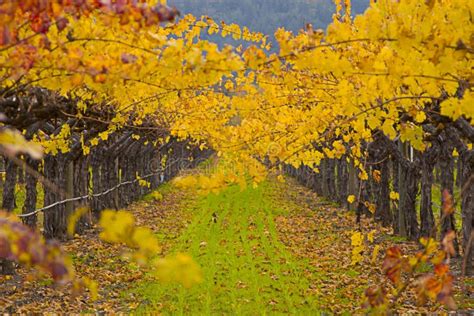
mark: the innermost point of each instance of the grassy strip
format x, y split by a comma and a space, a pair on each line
275, 249
246, 269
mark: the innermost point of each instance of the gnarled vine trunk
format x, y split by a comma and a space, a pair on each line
8, 204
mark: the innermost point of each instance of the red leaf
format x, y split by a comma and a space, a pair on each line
448, 205
61, 23
128, 58
393, 264
441, 269
376, 296
5, 35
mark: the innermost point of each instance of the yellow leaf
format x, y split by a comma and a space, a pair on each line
370, 235
179, 268
104, 135
388, 129
420, 117
363, 175
117, 226
185, 182
375, 253
94, 141
394, 196
357, 239
351, 199
74, 218
371, 207
15, 143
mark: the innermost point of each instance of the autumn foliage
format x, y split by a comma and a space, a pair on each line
25, 246
41, 15
401, 270
77, 75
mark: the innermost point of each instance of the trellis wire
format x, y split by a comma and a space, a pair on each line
90, 196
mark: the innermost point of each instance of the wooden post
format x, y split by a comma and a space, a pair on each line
446, 163
402, 224
325, 177
31, 194
8, 196
8, 204
428, 161
467, 207
70, 187
352, 188
116, 192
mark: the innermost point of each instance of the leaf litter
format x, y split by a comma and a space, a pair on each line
289, 254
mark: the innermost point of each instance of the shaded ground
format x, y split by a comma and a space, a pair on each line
274, 249
99, 261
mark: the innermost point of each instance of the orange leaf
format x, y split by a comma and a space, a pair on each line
375, 296
376, 175
448, 205
441, 269
447, 243
394, 264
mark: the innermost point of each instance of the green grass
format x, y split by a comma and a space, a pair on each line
469, 282
246, 269
396, 239
154, 196
352, 273
20, 196
424, 268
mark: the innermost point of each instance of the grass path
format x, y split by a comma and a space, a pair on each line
247, 244
245, 268
275, 249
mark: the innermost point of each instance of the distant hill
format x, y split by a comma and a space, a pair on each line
267, 15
